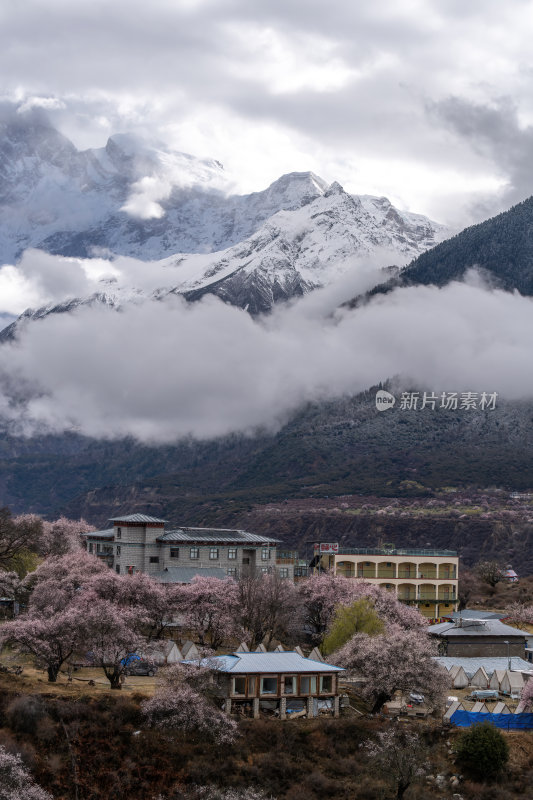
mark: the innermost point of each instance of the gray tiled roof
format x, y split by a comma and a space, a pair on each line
186, 574
271, 662
136, 518
486, 627
107, 534
226, 535
472, 613
471, 665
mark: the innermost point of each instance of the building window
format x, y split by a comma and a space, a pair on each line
283, 572
119, 533
213, 553
194, 553
264, 570
326, 684
117, 569
232, 553
90, 547
232, 572
118, 549
308, 684
174, 552
265, 554
290, 684
239, 685
154, 559
269, 685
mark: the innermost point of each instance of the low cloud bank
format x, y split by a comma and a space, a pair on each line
160, 371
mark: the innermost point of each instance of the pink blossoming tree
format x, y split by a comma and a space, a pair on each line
210, 606
59, 579
519, 614
526, 696
111, 635
16, 782
63, 536
397, 660
17, 535
323, 593
182, 704
50, 638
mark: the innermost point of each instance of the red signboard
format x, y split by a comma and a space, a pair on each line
328, 547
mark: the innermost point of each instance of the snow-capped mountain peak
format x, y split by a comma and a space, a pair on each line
138, 198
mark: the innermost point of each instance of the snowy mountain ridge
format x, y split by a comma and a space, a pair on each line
138, 199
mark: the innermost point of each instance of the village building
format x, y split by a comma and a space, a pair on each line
140, 543
476, 638
427, 579
282, 682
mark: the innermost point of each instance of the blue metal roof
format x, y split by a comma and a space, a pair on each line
270, 663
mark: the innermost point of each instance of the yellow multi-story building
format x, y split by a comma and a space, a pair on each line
425, 578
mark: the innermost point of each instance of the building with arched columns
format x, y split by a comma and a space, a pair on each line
425, 578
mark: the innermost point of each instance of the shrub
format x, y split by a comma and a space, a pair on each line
24, 712
482, 751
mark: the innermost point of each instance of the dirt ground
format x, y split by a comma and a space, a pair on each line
36, 680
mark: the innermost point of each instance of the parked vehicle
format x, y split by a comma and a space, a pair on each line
140, 668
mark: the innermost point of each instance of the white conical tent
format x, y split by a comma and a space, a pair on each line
299, 650
316, 655
460, 680
496, 679
243, 648
279, 649
260, 648
480, 708
455, 706
480, 679
454, 669
189, 651
501, 708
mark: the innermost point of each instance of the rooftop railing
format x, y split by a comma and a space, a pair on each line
376, 551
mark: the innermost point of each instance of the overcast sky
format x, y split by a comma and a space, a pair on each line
429, 103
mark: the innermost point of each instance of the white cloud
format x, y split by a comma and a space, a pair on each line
39, 279
165, 370
342, 84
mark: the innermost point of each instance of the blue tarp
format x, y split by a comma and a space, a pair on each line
509, 722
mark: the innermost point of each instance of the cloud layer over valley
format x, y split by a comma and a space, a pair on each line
162, 370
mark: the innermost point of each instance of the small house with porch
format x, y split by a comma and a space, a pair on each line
285, 683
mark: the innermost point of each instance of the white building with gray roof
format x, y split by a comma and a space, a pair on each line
140, 543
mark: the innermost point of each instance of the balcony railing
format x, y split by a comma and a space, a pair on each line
436, 599
375, 551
